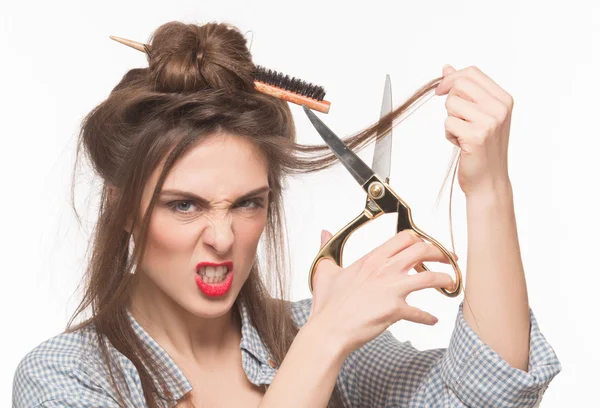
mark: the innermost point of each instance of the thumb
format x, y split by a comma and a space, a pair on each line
447, 69
325, 236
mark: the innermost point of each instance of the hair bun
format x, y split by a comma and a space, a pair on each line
189, 57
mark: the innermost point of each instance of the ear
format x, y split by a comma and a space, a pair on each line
112, 196
128, 226
112, 192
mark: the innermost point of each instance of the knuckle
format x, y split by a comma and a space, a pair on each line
428, 278
447, 122
510, 101
460, 84
422, 248
490, 122
369, 263
502, 113
472, 69
408, 236
381, 269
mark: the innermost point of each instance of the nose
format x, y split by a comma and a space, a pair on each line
219, 234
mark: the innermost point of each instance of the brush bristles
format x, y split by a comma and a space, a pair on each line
298, 86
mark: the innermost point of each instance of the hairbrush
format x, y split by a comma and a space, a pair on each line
270, 82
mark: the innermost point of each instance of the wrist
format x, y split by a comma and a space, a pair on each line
499, 191
327, 344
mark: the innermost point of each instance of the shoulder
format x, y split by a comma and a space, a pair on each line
55, 370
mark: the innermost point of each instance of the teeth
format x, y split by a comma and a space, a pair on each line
213, 274
213, 271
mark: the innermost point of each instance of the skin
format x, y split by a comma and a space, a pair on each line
191, 326
479, 116
496, 305
175, 312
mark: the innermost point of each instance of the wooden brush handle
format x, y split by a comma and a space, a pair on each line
319, 106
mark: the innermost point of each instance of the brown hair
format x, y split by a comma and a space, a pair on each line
199, 81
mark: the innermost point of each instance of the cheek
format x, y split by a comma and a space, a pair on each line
247, 235
168, 247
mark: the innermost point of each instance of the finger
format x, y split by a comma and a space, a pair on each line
471, 90
464, 109
324, 263
485, 103
417, 315
480, 78
461, 109
325, 237
455, 127
453, 139
427, 279
388, 249
323, 267
447, 70
417, 253
388, 246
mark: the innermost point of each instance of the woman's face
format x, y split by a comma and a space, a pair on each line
213, 208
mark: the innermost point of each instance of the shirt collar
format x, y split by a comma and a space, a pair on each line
177, 382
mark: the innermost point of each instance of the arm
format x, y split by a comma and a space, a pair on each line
501, 353
496, 304
388, 373
49, 377
308, 373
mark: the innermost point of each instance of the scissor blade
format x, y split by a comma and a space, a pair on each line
358, 168
383, 147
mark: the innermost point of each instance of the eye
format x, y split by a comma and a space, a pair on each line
180, 206
252, 203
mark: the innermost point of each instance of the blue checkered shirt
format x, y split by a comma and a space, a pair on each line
68, 371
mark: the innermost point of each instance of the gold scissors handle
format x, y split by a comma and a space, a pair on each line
383, 199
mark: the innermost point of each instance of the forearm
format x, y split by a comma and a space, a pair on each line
307, 375
496, 305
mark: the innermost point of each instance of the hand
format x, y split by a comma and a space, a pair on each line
479, 115
354, 305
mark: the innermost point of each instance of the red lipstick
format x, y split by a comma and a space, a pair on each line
219, 288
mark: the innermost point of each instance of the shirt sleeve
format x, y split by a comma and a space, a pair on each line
44, 379
388, 373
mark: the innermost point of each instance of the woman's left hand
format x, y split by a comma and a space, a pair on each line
479, 114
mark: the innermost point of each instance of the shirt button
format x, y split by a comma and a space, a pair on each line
272, 363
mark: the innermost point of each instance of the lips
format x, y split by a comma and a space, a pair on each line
215, 289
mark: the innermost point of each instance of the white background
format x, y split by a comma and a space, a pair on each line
57, 63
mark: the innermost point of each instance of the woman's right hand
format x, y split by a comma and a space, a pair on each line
357, 303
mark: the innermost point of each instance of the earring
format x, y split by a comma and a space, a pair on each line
131, 250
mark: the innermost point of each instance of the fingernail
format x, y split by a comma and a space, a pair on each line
445, 66
322, 235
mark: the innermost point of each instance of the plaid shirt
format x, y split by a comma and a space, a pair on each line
68, 371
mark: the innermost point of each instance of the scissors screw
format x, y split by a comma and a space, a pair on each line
376, 190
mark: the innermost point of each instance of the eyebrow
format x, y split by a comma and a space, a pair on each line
188, 195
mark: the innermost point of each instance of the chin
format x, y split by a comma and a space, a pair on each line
212, 307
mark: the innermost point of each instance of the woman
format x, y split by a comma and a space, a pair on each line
193, 161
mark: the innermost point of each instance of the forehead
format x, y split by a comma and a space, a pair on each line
219, 166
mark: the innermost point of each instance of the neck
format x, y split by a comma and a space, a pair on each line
181, 333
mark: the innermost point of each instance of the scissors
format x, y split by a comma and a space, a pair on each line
381, 198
